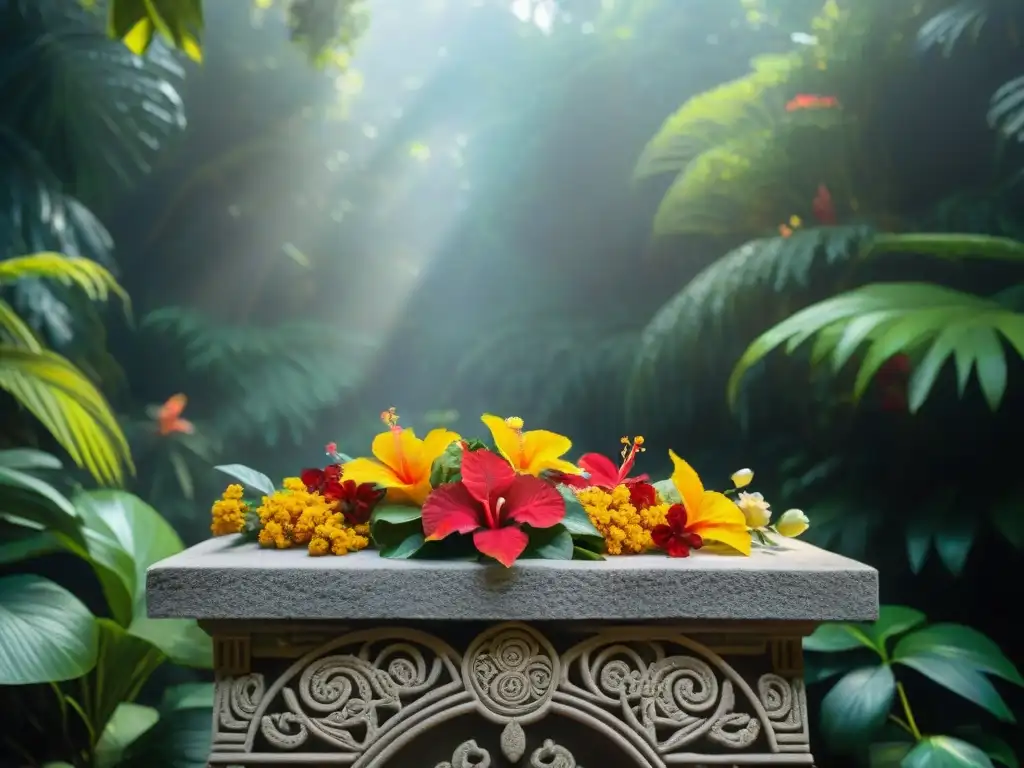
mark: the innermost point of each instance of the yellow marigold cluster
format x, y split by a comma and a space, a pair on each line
229, 512
626, 529
295, 516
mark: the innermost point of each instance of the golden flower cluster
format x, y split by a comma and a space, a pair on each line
229, 512
626, 529
295, 516
292, 517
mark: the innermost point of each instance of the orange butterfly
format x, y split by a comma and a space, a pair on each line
168, 416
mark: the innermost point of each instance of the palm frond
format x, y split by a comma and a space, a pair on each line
947, 245
888, 318
737, 108
703, 329
1006, 110
95, 110
93, 279
952, 26
272, 380
69, 407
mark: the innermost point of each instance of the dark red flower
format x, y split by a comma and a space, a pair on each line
642, 495
892, 378
357, 500
325, 481
674, 537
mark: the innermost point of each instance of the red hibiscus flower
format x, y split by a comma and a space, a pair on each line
492, 501
602, 472
357, 500
326, 481
674, 537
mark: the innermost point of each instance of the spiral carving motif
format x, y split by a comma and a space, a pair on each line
512, 670
654, 693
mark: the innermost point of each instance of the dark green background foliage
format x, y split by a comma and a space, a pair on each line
323, 208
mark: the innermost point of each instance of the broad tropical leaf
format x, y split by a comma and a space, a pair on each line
935, 322
46, 633
70, 407
109, 112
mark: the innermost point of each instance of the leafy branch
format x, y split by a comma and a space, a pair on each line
956, 657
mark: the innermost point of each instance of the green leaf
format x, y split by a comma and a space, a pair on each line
248, 477
577, 522
125, 537
993, 746
397, 530
447, 467
402, 541
888, 754
919, 544
954, 539
28, 458
46, 633
857, 706
554, 543
961, 680
962, 645
181, 738
946, 752
892, 620
582, 553
129, 722
832, 638
1008, 518
123, 665
395, 514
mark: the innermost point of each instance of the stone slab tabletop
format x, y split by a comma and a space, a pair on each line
222, 579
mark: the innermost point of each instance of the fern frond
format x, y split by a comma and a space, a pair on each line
545, 372
890, 318
734, 109
705, 326
272, 380
1006, 109
751, 184
69, 407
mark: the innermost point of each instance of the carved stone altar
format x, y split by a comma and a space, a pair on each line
636, 661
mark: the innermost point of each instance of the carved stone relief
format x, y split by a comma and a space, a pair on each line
655, 695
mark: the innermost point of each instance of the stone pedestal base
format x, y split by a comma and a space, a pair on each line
544, 695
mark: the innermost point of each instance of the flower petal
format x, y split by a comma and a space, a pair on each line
450, 509
506, 439
719, 519
486, 475
369, 471
601, 469
312, 478
436, 442
396, 448
687, 482
532, 501
544, 450
503, 544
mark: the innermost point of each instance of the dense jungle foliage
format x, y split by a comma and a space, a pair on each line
785, 234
